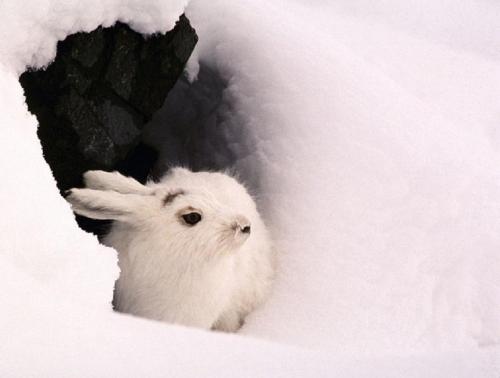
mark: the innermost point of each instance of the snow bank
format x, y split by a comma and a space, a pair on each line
371, 141
390, 242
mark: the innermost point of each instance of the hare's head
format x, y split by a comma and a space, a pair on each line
202, 213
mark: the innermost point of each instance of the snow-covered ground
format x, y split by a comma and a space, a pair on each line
369, 131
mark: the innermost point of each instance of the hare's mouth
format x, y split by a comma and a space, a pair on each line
240, 238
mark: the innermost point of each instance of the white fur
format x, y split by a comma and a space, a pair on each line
210, 275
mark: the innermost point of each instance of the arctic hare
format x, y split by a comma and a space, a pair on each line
192, 248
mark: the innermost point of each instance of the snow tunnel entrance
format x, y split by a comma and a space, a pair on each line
102, 104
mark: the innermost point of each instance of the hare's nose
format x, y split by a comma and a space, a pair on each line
243, 224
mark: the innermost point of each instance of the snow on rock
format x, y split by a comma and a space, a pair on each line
30, 29
378, 174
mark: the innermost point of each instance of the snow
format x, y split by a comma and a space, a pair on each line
393, 198
369, 133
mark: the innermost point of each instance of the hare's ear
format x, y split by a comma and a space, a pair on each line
99, 204
115, 181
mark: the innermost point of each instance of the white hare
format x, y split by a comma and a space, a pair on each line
192, 248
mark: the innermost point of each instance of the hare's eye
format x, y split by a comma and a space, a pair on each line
192, 218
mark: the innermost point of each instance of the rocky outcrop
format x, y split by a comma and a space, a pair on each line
93, 101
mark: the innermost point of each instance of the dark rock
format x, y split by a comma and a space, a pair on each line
93, 101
